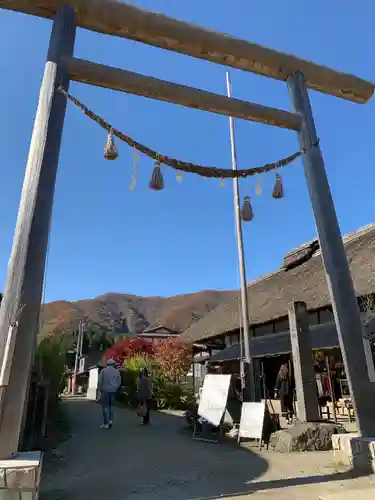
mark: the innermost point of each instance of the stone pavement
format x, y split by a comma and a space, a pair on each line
161, 462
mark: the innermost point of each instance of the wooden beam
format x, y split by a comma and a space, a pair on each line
119, 19
25, 278
147, 86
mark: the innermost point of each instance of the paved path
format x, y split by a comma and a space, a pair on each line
161, 462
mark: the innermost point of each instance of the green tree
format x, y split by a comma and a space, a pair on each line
51, 356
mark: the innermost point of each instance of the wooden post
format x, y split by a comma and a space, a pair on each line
331, 390
339, 280
23, 289
304, 376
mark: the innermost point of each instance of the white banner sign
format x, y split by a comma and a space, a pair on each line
252, 419
92, 390
214, 398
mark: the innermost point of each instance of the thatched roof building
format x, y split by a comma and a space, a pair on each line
302, 278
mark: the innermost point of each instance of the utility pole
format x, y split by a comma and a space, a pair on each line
339, 280
78, 355
249, 372
25, 277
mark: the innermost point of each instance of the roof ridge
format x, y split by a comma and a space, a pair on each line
273, 292
346, 239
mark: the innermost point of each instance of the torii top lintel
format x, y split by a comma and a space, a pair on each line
113, 17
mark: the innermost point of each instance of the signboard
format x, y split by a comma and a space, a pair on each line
82, 364
252, 420
214, 397
92, 390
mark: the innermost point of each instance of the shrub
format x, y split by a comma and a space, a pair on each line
128, 348
131, 370
175, 397
174, 358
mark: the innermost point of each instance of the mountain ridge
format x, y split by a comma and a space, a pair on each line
129, 313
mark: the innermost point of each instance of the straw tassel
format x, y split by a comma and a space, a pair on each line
134, 173
157, 181
110, 150
278, 190
258, 189
246, 210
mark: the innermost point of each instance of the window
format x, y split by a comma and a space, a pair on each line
281, 326
325, 315
313, 318
263, 329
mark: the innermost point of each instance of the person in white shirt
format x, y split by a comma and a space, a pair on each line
109, 384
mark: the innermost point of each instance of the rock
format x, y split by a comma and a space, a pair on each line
311, 436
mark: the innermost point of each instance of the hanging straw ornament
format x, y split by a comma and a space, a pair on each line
258, 189
179, 177
157, 181
134, 173
246, 210
222, 183
278, 190
110, 150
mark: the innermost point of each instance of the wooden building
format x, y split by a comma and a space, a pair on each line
301, 277
159, 333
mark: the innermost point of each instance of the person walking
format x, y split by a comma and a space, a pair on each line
109, 384
144, 396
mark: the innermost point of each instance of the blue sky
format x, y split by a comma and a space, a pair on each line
106, 238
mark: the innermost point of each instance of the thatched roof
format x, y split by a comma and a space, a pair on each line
270, 296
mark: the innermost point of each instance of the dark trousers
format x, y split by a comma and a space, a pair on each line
107, 400
146, 418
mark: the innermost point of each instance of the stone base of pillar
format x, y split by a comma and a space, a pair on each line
20, 476
354, 451
305, 436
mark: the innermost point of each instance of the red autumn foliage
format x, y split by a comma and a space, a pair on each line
127, 348
174, 358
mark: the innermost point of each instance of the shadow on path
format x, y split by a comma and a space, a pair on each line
139, 463
161, 462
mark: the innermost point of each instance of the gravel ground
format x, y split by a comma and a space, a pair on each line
161, 462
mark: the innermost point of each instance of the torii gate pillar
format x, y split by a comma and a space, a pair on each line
339, 280
24, 285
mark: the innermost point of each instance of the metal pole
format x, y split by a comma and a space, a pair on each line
241, 259
242, 366
24, 284
340, 285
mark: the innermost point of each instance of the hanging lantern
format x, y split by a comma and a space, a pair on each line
278, 190
246, 210
110, 150
157, 181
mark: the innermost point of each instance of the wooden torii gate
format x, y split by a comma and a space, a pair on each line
19, 312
